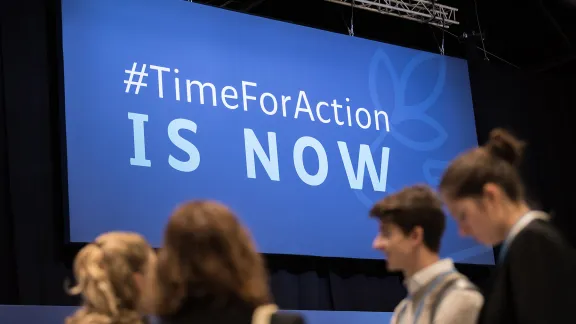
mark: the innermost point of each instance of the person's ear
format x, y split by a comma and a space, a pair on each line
417, 235
491, 193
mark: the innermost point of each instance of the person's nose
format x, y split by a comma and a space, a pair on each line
379, 243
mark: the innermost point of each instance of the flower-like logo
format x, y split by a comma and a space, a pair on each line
401, 109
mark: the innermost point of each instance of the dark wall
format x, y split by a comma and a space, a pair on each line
6, 237
537, 107
35, 262
28, 108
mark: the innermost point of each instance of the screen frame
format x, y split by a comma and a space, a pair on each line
56, 51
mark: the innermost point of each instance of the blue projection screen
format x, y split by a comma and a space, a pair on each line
299, 130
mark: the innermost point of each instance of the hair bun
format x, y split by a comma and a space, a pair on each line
505, 146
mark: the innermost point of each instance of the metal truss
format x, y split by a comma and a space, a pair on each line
422, 11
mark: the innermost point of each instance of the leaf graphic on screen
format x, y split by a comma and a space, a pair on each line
379, 60
411, 71
401, 112
417, 145
381, 66
432, 170
417, 112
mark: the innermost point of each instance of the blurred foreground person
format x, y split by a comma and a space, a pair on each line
110, 276
209, 271
411, 224
535, 277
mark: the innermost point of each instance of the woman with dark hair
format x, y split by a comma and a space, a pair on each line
535, 278
209, 272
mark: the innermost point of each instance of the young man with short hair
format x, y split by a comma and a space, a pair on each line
412, 223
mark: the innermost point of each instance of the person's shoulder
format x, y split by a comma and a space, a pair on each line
542, 227
401, 305
460, 306
543, 234
287, 318
541, 246
462, 291
465, 295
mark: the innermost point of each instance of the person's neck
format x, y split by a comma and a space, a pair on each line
514, 212
424, 259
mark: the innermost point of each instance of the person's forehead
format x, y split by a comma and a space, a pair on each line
463, 202
387, 225
462, 206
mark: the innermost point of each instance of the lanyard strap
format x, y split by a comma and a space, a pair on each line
420, 306
517, 228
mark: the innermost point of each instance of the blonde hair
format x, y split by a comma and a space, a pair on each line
104, 273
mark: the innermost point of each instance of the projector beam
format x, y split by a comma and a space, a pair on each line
416, 10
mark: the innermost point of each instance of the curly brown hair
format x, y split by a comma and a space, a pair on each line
208, 258
104, 272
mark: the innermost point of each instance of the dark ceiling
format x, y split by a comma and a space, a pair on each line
533, 35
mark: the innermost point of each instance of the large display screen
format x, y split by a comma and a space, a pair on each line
298, 130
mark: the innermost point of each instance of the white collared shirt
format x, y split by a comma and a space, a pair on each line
458, 306
426, 275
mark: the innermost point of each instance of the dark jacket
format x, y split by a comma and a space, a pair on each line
536, 282
231, 314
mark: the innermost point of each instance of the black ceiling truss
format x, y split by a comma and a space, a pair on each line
534, 35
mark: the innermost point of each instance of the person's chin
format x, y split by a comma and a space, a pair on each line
391, 267
487, 241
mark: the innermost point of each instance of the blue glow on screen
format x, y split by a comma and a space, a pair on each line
298, 130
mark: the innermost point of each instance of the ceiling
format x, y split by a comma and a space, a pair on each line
533, 35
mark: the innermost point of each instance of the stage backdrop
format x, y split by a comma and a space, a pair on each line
299, 130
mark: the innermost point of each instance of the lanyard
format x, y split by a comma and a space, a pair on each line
423, 298
517, 228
